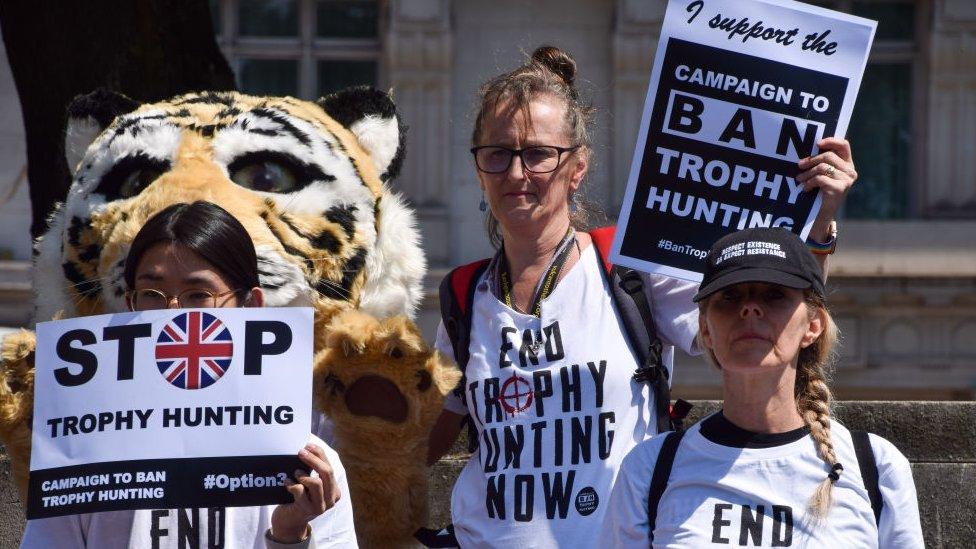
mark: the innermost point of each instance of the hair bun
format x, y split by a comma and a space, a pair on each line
557, 61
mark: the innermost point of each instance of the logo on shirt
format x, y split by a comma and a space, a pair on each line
516, 395
194, 350
587, 501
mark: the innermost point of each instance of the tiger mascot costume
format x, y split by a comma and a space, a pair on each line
308, 180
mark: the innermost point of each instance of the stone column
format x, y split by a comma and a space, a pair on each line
951, 171
15, 208
637, 28
418, 53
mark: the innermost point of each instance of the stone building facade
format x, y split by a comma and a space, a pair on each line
903, 281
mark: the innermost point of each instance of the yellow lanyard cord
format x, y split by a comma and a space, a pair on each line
548, 282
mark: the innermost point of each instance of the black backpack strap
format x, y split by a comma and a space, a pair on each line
627, 288
659, 480
869, 470
457, 299
456, 294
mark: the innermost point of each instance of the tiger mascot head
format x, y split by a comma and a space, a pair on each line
308, 180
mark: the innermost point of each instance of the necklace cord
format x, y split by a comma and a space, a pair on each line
548, 281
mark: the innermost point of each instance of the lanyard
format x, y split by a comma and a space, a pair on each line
548, 281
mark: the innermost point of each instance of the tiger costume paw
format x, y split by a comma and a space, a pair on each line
381, 377
17, 402
383, 388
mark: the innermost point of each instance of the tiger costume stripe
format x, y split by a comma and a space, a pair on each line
311, 193
308, 181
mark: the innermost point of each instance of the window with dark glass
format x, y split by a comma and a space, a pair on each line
303, 48
347, 18
336, 75
882, 131
267, 17
268, 76
881, 139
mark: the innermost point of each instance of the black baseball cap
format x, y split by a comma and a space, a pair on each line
771, 255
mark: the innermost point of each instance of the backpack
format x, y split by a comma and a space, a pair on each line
627, 290
665, 460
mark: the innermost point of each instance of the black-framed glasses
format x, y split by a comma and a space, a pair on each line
542, 159
149, 299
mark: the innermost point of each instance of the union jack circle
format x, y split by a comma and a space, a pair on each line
194, 350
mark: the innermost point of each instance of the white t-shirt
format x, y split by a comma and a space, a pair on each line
554, 425
722, 494
223, 527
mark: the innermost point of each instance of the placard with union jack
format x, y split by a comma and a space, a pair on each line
194, 350
171, 408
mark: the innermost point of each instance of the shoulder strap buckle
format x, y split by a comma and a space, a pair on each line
630, 281
651, 374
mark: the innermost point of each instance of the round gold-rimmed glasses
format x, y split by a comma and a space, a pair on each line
150, 298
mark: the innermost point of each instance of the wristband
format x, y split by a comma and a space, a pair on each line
824, 248
273, 542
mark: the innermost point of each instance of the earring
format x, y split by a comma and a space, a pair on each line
483, 206
573, 205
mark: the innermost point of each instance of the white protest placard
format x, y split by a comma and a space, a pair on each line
172, 408
740, 91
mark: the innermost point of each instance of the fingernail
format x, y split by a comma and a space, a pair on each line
303, 452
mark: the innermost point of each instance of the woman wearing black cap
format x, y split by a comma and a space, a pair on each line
771, 469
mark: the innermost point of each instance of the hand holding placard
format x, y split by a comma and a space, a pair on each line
734, 104
832, 172
313, 495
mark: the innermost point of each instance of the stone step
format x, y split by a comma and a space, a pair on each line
16, 297
926, 432
939, 439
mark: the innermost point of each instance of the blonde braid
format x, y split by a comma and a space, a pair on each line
814, 401
812, 394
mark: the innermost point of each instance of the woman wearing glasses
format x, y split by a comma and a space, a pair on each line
199, 256
192, 256
548, 384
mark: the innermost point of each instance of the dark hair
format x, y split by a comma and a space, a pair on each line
550, 71
208, 230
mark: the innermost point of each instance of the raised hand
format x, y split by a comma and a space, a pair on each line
314, 494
